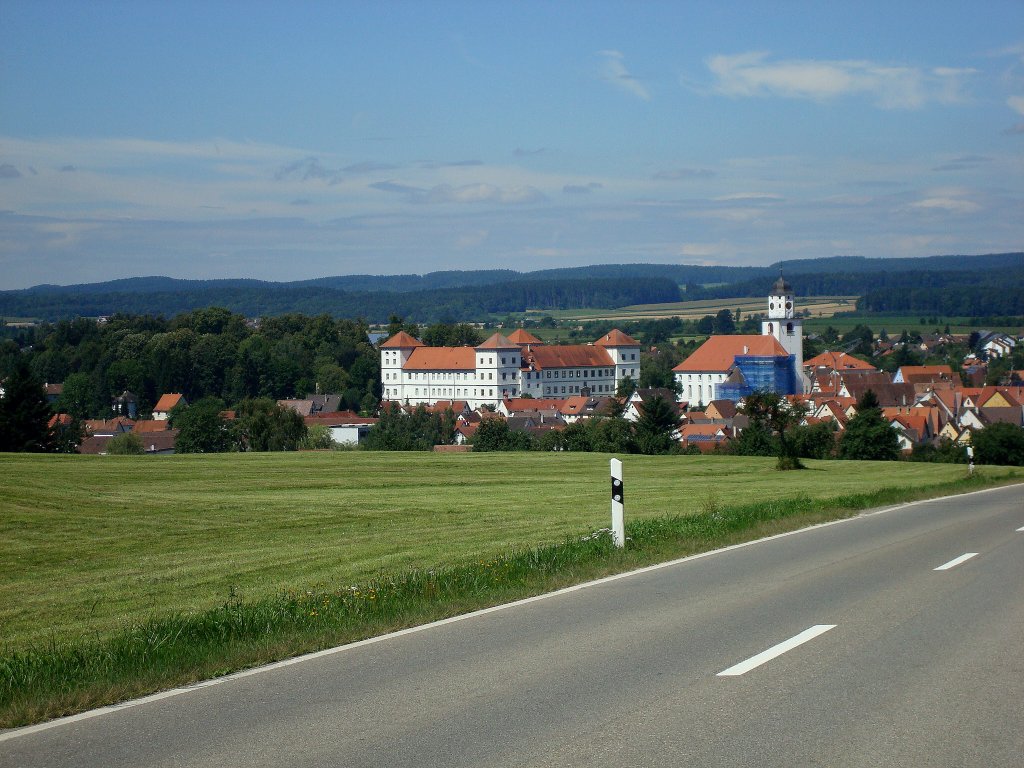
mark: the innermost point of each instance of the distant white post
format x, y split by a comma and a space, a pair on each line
970, 460
618, 501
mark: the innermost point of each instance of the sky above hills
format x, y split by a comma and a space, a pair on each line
285, 141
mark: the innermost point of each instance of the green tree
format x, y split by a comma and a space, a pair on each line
65, 437
859, 340
611, 435
658, 420
202, 428
24, 412
724, 324
999, 443
78, 396
318, 438
868, 435
756, 439
417, 431
625, 388
815, 441
263, 425
493, 434
780, 417
125, 444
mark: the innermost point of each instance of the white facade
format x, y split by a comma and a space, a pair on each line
783, 324
499, 369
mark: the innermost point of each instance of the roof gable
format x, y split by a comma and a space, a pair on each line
497, 341
167, 402
520, 337
616, 338
401, 340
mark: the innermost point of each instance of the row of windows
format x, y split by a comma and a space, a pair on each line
446, 392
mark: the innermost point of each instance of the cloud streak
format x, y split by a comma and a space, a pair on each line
463, 194
613, 70
754, 73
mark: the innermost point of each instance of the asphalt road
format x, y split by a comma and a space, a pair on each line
900, 664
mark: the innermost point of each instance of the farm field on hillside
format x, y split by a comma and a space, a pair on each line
819, 306
894, 325
94, 543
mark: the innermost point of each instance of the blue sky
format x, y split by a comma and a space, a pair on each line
284, 141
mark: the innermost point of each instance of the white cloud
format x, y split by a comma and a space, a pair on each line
614, 71
891, 86
747, 196
699, 250
1016, 103
948, 204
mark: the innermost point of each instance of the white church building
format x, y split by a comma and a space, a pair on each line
728, 367
519, 365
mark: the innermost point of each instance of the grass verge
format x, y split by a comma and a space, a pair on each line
55, 679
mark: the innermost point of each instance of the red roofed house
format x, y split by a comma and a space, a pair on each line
501, 368
164, 406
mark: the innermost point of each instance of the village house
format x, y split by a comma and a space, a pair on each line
413, 373
166, 403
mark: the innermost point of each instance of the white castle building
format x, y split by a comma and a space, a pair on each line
520, 365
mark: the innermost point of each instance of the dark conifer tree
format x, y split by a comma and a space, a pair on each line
24, 413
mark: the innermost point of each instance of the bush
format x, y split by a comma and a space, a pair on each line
126, 444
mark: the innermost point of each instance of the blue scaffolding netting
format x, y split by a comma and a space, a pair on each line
776, 373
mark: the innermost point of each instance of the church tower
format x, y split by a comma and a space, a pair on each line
783, 324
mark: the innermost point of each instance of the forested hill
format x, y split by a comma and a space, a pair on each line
885, 284
439, 304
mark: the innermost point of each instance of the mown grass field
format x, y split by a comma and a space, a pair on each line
93, 544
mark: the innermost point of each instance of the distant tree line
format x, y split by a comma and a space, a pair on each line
209, 352
271, 299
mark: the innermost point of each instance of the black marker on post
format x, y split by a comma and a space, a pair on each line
618, 501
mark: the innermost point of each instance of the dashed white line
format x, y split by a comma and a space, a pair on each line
776, 650
1021, 529
956, 561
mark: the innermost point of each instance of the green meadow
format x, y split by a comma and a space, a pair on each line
92, 545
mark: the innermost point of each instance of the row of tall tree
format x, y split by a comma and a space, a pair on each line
206, 353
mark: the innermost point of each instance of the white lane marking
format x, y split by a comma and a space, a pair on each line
1021, 529
153, 697
956, 561
776, 650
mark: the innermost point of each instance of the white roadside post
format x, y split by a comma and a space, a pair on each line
970, 460
618, 500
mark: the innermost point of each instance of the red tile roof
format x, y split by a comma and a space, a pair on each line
521, 337
719, 352
441, 359
401, 340
568, 356
616, 338
63, 419
151, 425
167, 402
838, 361
497, 341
